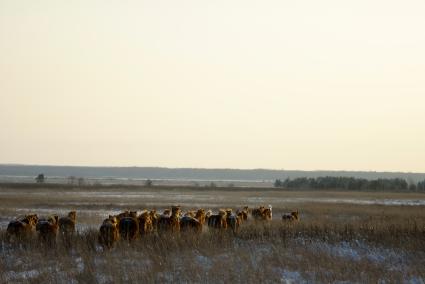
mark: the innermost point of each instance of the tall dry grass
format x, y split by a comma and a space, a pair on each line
332, 242
318, 251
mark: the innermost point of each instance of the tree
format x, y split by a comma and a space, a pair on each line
40, 178
421, 186
72, 180
278, 183
148, 183
412, 187
347, 183
81, 181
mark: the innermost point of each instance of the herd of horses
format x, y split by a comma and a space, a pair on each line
131, 225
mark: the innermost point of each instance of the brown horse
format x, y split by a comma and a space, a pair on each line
22, 229
129, 227
201, 216
145, 223
233, 221
195, 223
243, 213
67, 224
262, 213
170, 223
155, 219
218, 221
67, 228
108, 232
47, 229
291, 217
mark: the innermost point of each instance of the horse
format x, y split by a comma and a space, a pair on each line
194, 221
172, 222
262, 213
291, 217
47, 229
108, 232
22, 229
233, 221
129, 227
218, 221
145, 223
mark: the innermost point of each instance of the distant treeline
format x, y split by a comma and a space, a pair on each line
257, 175
350, 183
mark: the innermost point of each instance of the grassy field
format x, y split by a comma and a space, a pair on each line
342, 236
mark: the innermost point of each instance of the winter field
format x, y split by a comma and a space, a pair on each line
341, 237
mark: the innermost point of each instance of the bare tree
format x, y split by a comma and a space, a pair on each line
72, 180
40, 178
148, 183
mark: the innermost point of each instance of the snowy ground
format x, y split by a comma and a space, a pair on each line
94, 205
253, 256
297, 262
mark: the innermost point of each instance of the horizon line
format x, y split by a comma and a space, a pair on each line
206, 168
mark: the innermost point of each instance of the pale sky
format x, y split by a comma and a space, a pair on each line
331, 85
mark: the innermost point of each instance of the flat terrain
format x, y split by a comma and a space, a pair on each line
94, 204
342, 236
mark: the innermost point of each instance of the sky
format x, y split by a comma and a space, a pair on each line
308, 85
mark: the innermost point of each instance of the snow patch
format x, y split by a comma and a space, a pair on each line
80, 264
289, 276
204, 262
23, 275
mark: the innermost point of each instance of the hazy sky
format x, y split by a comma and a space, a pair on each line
232, 83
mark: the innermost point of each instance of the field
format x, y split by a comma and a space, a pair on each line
341, 236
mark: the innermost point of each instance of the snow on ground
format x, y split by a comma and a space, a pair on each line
415, 280
20, 269
21, 276
291, 277
358, 250
388, 202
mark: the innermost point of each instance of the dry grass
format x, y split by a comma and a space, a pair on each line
332, 242
312, 251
